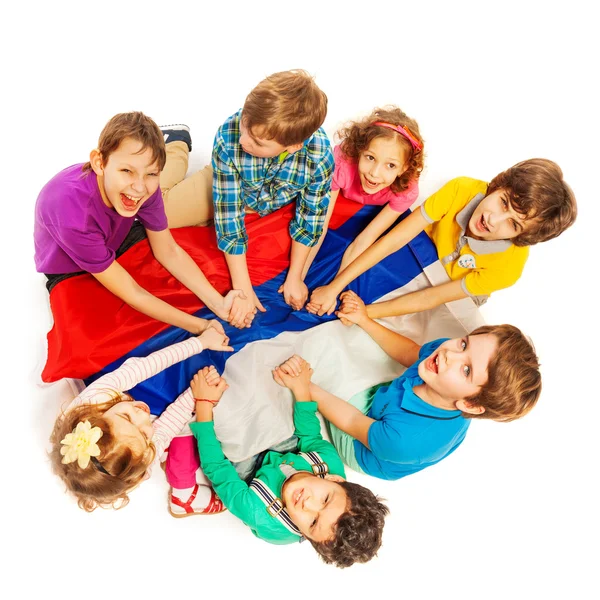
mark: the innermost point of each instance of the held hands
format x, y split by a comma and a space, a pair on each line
207, 388
322, 301
295, 374
207, 384
214, 338
239, 310
352, 310
295, 293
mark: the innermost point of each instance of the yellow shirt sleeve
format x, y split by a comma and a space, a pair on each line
441, 202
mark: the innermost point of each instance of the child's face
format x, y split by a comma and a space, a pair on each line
131, 420
253, 144
496, 219
380, 164
127, 179
314, 504
458, 369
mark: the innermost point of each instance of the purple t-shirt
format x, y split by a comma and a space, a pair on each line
75, 231
347, 180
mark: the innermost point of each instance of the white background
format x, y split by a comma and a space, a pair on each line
514, 512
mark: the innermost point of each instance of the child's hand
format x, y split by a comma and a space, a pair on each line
352, 310
322, 300
295, 293
239, 309
213, 339
207, 384
295, 374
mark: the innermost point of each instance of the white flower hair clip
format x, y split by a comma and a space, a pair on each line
80, 445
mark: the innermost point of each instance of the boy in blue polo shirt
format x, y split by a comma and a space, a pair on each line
395, 429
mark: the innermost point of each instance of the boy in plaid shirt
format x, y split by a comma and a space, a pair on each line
268, 154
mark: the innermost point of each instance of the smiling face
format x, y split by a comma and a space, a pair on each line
496, 219
314, 504
458, 369
380, 163
127, 178
131, 420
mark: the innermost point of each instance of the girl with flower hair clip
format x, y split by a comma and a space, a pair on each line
378, 161
104, 443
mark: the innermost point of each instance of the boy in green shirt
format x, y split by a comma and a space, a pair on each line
293, 495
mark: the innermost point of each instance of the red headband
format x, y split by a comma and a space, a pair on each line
404, 132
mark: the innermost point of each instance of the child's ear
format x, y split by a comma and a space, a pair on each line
294, 148
97, 162
335, 478
470, 407
147, 475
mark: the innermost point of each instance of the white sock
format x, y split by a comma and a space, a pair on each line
200, 501
201, 478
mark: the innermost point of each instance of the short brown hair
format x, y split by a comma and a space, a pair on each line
136, 126
536, 188
514, 381
288, 107
358, 531
356, 136
91, 486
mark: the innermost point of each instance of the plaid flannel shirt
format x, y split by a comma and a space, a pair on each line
264, 185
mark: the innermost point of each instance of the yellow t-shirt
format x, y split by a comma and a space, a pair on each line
483, 266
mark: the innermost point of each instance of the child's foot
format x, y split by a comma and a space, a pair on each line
177, 133
199, 500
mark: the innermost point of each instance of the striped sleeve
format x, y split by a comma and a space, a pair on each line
135, 370
172, 421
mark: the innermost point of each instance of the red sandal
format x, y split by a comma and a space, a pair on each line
215, 505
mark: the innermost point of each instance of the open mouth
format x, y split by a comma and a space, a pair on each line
432, 363
129, 202
482, 226
369, 183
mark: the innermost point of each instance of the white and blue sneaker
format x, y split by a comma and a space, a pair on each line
177, 133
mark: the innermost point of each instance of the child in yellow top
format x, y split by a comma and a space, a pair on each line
481, 232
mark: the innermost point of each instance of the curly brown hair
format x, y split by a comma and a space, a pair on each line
536, 188
356, 136
358, 531
136, 126
514, 381
288, 107
124, 468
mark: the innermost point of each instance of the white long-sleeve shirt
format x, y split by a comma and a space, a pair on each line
135, 370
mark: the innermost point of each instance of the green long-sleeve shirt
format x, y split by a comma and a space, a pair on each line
235, 493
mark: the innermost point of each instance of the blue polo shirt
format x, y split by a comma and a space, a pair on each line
408, 434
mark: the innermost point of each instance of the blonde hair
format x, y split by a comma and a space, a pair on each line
125, 469
288, 107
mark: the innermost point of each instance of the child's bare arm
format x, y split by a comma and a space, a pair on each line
118, 281
323, 299
396, 345
369, 235
342, 414
240, 277
418, 301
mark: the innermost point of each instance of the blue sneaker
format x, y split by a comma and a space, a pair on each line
177, 133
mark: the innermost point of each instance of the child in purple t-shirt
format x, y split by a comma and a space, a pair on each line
378, 161
83, 215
